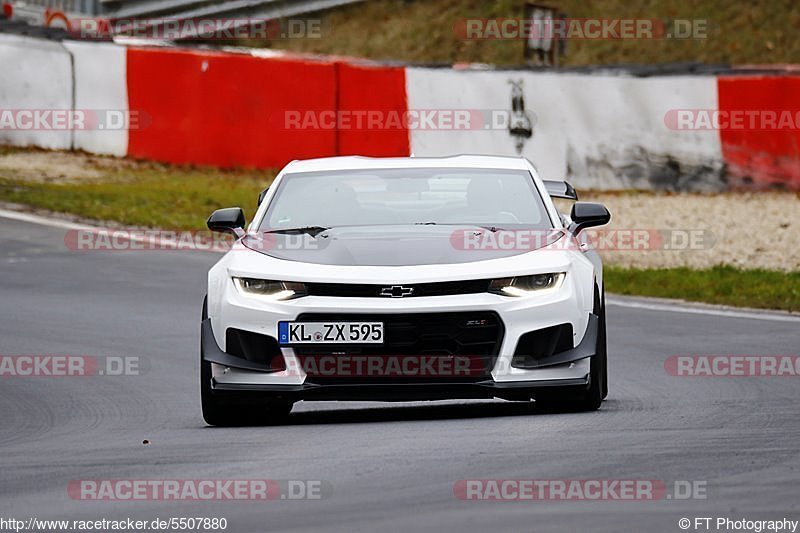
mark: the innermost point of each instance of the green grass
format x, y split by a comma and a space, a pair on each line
6, 149
422, 31
148, 195
719, 285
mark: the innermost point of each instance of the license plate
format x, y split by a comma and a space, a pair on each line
330, 332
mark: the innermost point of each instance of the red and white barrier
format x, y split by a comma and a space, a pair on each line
240, 109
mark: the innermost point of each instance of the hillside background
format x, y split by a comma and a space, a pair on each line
763, 32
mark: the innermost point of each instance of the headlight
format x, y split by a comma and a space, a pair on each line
525, 285
274, 290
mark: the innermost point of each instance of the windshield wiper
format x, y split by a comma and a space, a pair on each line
493, 229
311, 230
488, 227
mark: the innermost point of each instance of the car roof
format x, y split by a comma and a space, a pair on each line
362, 162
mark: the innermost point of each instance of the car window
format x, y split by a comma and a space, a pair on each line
405, 197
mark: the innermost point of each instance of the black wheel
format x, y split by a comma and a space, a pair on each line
236, 409
604, 345
598, 384
592, 397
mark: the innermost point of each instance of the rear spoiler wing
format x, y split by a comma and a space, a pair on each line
560, 189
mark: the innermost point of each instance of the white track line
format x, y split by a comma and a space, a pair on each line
122, 233
44, 221
702, 310
642, 303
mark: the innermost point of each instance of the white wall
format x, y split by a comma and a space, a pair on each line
600, 131
35, 74
101, 84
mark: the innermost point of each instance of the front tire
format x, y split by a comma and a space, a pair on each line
604, 345
236, 409
598, 369
588, 399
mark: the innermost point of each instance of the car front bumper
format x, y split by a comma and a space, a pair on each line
568, 368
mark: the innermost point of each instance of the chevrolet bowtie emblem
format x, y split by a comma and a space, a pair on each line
397, 291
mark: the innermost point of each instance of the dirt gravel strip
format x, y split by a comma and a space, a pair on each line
744, 230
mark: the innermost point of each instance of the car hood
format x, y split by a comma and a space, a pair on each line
400, 245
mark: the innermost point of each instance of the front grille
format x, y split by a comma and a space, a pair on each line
473, 338
362, 290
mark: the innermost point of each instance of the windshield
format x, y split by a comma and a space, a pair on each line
416, 196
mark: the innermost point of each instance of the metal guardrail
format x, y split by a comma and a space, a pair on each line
238, 11
148, 8
182, 9
261, 9
45, 13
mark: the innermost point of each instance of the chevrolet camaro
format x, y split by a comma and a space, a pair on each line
404, 279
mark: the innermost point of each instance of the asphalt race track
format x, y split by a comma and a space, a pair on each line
386, 466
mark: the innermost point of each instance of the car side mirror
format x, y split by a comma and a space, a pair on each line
586, 215
226, 220
261, 195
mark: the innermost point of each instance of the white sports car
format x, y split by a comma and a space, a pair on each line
400, 279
